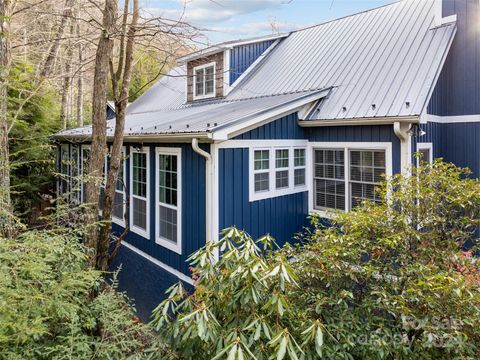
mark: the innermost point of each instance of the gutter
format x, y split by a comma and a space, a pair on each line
360, 121
176, 137
209, 174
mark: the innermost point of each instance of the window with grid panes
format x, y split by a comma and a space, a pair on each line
329, 179
139, 190
299, 164
168, 183
204, 81
119, 199
261, 170
281, 168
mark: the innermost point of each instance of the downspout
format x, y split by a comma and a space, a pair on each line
401, 131
208, 190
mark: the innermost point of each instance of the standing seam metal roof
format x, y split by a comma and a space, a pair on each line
379, 63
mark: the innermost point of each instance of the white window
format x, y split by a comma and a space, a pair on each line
64, 167
299, 165
281, 168
261, 170
101, 200
85, 154
139, 193
426, 153
168, 198
277, 170
204, 81
119, 206
346, 174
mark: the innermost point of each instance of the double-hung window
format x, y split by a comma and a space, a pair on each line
204, 81
85, 154
261, 170
64, 167
101, 200
281, 168
139, 194
118, 215
299, 165
168, 198
277, 171
343, 177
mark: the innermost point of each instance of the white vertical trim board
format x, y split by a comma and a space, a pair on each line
425, 146
166, 243
136, 229
157, 262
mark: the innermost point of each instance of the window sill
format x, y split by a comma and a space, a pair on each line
277, 193
140, 231
169, 245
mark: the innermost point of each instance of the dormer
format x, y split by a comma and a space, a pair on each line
213, 72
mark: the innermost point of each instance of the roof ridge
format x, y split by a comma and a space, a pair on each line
347, 16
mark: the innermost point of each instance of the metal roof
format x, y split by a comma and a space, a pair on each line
206, 118
382, 63
376, 61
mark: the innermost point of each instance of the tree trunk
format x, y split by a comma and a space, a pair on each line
5, 59
65, 112
52, 54
121, 102
99, 127
80, 82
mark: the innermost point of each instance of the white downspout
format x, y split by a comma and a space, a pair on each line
208, 190
401, 131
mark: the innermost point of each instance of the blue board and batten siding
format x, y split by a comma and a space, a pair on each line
241, 57
281, 216
457, 92
192, 209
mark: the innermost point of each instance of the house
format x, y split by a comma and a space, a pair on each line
260, 133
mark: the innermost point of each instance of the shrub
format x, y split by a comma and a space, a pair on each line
53, 307
390, 280
386, 281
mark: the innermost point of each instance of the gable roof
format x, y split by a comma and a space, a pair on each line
384, 57
381, 63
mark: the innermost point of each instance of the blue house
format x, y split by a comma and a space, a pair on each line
260, 133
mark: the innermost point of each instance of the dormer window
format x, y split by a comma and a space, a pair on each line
204, 80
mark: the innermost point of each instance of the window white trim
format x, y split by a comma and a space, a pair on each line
346, 146
272, 146
425, 146
116, 220
159, 240
136, 229
82, 169
194, 88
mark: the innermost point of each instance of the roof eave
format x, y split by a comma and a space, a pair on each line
176, 137
388, 120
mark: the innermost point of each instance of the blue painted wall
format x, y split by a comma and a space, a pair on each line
458, 88
364, 133
455, 142
281, 216
241, 57
193, 209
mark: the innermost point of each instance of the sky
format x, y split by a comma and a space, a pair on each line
224, 20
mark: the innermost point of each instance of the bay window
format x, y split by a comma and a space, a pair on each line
168, 198
139, 194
